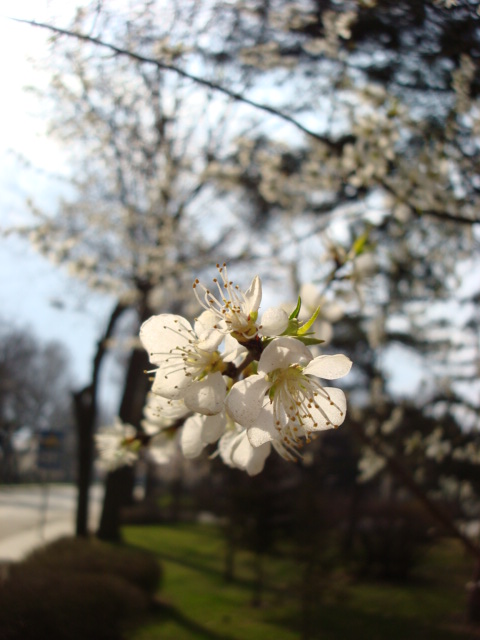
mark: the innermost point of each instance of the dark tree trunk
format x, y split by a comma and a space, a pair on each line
120, 483
118, 490
473, 603
85, 411
85, 422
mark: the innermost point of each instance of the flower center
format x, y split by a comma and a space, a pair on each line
296, 403
229, 305
198, 363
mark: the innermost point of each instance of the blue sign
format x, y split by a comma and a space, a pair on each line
50, 449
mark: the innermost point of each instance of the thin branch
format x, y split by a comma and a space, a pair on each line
185, 74
441, 215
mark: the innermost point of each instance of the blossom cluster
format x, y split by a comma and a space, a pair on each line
250, 384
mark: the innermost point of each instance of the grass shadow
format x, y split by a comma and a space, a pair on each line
168, 612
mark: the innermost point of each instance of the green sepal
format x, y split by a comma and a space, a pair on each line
296, 311
309, 341
292, 327
360, 243
305, 327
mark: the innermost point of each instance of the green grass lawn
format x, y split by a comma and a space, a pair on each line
196, 602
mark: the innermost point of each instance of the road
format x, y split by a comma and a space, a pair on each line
31, 515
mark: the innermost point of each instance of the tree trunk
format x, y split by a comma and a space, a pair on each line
120, 483
85, 406
85, 422
118, 488
473, 603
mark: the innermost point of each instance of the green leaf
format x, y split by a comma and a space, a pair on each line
359, 244
304, 328
309, 341
296, 311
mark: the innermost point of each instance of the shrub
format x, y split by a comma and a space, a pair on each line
79, 555
76, 589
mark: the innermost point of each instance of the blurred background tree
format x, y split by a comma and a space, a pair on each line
34, 396
329, 143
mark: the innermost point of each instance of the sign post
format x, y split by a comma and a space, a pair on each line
49, 458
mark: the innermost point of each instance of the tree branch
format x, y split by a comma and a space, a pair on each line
210, 84
441, 215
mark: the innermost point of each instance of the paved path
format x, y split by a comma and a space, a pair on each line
31, 515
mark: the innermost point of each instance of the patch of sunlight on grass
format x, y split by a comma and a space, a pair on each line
195, 602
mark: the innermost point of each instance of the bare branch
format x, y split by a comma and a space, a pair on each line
185, 74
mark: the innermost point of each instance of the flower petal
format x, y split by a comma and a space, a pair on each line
162, 411
283, 352
213, 427
190, 439
246, 398
329, 367
263, 429
226, 444
207, 331
274, 322
172, 384
253, 296
330, 412
206, 396
244, 456
234, 351
160, 333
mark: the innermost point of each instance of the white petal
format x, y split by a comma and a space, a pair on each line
263, 429
234, 352
205, 322
283, 352
207, 396
331, 412
161, 410
225, 446
208, 335
190, 439
274, 322
161, 449
213, 428
253, 296
252, 459
257, 460
246, 398
172, 385
329, 367
159, 334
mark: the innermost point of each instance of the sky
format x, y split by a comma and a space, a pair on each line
34, 293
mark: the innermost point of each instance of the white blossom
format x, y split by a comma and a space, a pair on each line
189, 364
236, 451
236, 311
117, 445
162, 448
198, 431
160, 413
284, 401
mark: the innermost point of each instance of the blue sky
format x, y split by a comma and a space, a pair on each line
33, 292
